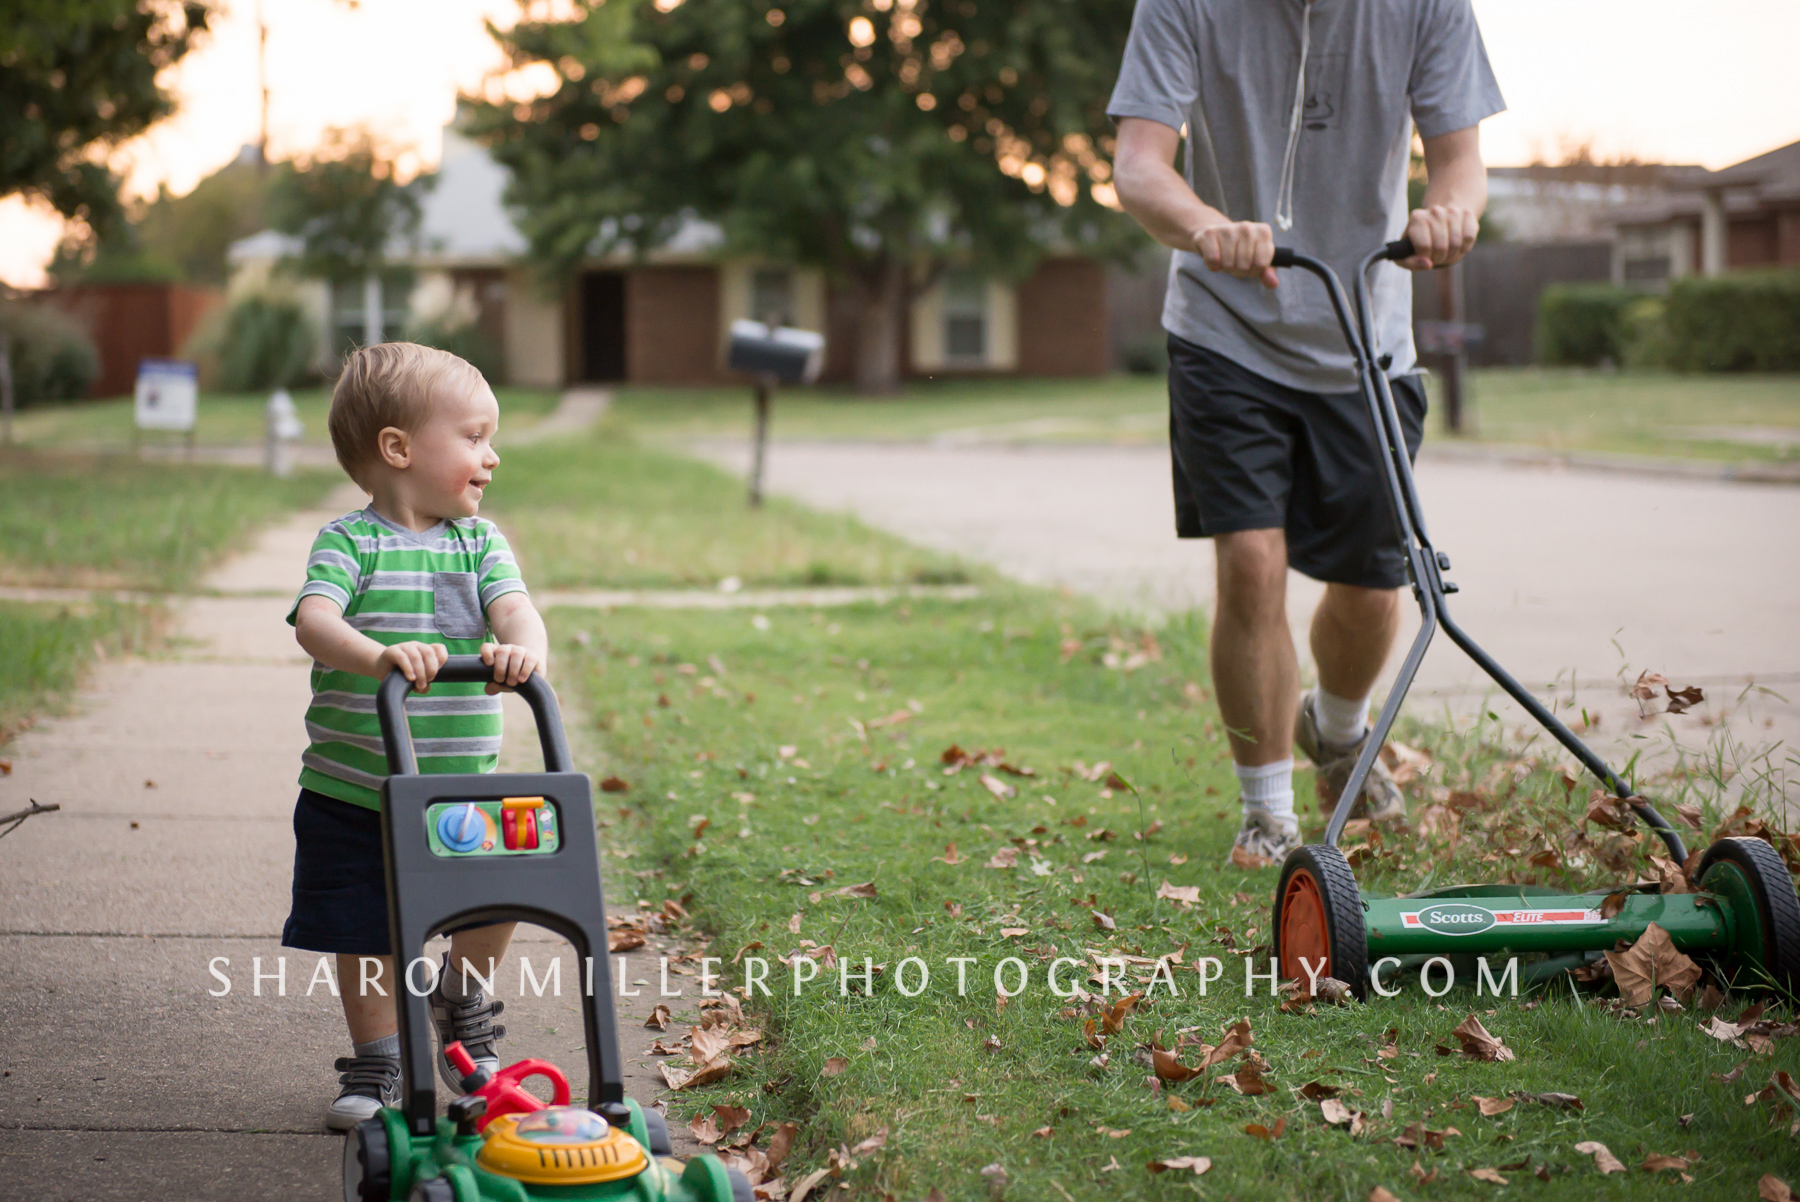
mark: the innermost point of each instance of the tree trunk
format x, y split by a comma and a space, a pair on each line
879, 327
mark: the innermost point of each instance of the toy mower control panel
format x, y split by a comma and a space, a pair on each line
507, 826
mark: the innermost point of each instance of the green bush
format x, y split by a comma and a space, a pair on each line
260, 343
1582, 325
53, 358
1643, 332
1748, 321
465, 340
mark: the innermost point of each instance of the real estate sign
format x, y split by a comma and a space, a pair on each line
167, 390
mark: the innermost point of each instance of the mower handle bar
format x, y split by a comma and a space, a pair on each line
396, 737
1399, 248
1425, 563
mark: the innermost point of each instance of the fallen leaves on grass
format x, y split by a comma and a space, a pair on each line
1651, 962
1248, 860
1417, 1136
950, 855
1477, 1044
1559, 1101
1378, 1194
614, 784
1006, 857
1186, 895
1492, 1176
1773, 1189
1197, 1164
866, 890
955, 759
1336, 1113
833, 1066
1247, 1080
1168, 1066
1490, 1107
1262, 1132
1657, 1163
996, 786
1604, 1160
1112, 1020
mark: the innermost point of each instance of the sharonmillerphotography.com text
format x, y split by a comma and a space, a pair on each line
1066, 977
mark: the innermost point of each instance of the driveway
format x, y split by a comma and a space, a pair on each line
1574, 577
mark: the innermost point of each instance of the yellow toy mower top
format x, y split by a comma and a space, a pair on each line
561, 1145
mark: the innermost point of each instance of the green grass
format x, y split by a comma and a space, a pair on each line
1719, 417
48, 645
110, 520
602, 511
221, 419
695, 711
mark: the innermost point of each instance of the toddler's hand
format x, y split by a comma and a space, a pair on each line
419, 662
511, 663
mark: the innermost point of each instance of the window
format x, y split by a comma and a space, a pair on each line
772, 295
965, 317
347, 312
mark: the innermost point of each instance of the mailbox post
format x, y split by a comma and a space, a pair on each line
773, 355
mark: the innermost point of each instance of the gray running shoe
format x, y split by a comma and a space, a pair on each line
370, 1082
1380, 800
1263, 841
470, 1022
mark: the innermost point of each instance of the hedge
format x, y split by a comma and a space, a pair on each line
1582, 325
53, 358
1746, 321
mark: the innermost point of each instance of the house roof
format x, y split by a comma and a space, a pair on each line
1745, 188
463, 221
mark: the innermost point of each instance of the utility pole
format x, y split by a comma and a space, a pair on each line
1456, 355
262, 81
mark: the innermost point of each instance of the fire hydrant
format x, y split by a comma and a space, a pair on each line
284, 430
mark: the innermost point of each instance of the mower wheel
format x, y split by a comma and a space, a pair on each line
437, 1189
658, 1127
1752, 877
741, 1189
1319, 916
367, 1162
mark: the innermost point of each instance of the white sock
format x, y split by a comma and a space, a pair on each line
387, 1045
1340, 721
1269, 787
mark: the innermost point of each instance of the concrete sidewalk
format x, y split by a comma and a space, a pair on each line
124, 1077
1567, 576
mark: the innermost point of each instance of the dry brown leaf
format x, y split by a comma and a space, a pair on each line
865, 889
1608, 811
1651, 962
1334, 1112
1043, 1133
1604, 1160
1185, 894
1561, 1101
950, 855
1248, 860
1318, 1091
624, 939
1682, 700
1405, 764
716, 1069
614, 784
996, 786
1647, 684
1478, 1044
781, 1143
1237, 1038
1378, 1194
1169, 1067
805, 1188
705, 1128
1006, 857
874, 1143
659, 1018
1113, 1019
1247, 1081
1262, 1132
1657, 1163
1489, 1107
833, 1066
1489, 1175
708, 1042
1104, 921
1773, 1189
1199, 1164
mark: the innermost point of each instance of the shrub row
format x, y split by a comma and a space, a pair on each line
1747, 321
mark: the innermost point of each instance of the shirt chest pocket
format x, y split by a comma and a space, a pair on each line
456, 605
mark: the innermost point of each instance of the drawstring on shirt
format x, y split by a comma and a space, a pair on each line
1284, 194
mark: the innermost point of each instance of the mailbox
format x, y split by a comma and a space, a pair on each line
785, 355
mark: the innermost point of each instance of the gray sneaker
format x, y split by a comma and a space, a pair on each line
370, 1082
470, 1022
1264, 840
1380, 800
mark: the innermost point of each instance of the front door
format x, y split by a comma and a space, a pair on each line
603, 327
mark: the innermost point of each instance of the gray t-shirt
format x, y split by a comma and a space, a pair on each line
1226, 69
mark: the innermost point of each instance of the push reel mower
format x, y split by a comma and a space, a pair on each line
1746, 916
518, 847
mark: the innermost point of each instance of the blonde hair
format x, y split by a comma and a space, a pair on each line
388, 384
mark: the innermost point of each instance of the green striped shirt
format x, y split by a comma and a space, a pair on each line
399, 586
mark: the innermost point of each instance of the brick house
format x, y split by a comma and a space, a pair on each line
1744, 216
662, 319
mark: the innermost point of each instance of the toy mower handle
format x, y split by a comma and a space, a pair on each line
396, 737
1400, 248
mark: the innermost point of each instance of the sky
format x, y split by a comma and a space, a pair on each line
1661, 80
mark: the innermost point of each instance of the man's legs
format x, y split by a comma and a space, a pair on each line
1252, 650
1352, 634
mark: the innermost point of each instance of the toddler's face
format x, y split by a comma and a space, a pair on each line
453, 453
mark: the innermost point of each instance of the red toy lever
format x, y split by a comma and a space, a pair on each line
502, 1090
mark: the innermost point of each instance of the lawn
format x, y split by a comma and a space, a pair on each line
221, 419
601, 510
770, 760
110, 521
775, 760
1719, 417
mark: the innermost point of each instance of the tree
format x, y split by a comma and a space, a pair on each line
347, 208
77, 77
882, 142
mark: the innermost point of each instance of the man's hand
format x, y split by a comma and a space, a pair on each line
511, 663
1441, 234
1240, 248
419, 662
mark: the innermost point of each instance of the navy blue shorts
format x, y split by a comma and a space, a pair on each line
1252, 454
340, 887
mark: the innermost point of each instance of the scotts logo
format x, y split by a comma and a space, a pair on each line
1456, 919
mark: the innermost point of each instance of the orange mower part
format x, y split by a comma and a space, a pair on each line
1319, 920
1304, 933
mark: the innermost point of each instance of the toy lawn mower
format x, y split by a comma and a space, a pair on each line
489, 848
1746, 917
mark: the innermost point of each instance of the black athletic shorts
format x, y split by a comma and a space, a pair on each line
1251, 454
